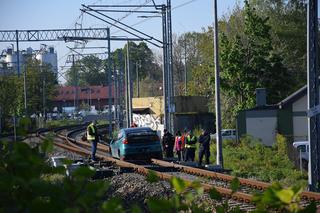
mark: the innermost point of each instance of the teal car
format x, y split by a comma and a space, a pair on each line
140, 143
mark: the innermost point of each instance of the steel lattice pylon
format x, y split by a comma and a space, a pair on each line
313, 97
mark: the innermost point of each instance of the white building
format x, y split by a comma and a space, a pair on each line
288, 117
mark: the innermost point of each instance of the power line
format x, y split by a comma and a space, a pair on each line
149, 18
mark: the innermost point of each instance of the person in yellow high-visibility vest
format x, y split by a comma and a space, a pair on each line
190, 147
93, 138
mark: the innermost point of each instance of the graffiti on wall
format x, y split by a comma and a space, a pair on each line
147, 120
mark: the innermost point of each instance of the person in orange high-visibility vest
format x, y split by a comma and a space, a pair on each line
93, 138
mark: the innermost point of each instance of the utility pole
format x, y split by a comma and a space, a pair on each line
43, 94
165, 68
313, 97
109, 84
115, 91
121, 89
170, 68
25, 89
129, 86
75, 83
217, 88
138, 83
185, 66
18, 55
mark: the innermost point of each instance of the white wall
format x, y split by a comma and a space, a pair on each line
300, 105
262, 128
300, 121
300, 128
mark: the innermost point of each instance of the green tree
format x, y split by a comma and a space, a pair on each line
88, 71
288, 20
249, 61
41, 85
185, 50
10, 98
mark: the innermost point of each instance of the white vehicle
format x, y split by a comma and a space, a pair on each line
226, 134
303, 152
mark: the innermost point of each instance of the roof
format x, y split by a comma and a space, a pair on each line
264, 107
293, 97
141, 109
67, 93
285, 102
137, 129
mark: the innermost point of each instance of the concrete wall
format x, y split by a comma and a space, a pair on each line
300, 105
154, 103
263, 129
300, 121
300, 128
262, 124
185, 104
190, 121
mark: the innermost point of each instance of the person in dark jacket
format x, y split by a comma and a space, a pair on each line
204, 148
168, 143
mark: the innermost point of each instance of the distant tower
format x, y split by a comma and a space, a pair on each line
48, 56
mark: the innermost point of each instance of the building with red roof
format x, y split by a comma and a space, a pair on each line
94, 96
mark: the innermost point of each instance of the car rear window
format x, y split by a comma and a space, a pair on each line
142, 137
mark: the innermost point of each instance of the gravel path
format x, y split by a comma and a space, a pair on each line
133, 188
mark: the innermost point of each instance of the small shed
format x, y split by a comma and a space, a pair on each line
288, 117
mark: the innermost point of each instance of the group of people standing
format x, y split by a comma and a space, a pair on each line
184, 145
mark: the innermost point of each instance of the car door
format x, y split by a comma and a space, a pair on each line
114, 146
119, 143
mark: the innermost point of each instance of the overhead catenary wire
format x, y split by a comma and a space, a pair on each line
149, 18
131, 12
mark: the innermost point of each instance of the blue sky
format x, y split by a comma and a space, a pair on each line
49, 14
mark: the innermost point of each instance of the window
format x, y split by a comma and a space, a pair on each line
67, 92
120, 135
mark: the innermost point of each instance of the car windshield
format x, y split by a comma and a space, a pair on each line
225, 133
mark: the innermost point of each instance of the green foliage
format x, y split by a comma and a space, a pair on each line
152, 177
40, 80
183, 199
88, 71
58, 123
235, 183
288, 22
248, 61
282, 199
251, 159
281, 145
10, 89
27, 183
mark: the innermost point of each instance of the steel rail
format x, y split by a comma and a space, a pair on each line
247, 182
220, 176
74, 146
71, 146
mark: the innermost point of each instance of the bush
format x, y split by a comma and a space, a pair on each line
251, 159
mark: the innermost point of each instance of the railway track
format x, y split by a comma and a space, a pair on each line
166, 170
